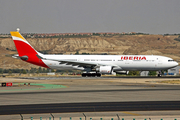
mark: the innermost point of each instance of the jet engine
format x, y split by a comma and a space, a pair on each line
122, 72
104, 69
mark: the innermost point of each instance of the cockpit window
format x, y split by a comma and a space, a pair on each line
170, 60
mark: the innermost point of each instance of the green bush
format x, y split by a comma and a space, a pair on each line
152, 73
134, 73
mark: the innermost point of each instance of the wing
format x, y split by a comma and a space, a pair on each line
78, 63
73, 63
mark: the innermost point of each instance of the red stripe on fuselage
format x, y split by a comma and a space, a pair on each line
25, 49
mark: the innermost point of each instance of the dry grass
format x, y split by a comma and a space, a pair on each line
125, 44
170, 81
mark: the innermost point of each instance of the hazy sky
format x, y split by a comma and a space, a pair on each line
65, 16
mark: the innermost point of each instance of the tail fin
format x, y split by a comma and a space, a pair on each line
22, 46
25, 50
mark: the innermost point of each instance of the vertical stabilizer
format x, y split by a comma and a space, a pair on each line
25, 50
22, 46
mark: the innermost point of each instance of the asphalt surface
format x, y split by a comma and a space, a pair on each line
90, 107
102, 77
93, 91
88, 95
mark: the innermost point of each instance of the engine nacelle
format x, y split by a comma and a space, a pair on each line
122, 72
104, 69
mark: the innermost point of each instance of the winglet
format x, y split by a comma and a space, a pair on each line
17, 35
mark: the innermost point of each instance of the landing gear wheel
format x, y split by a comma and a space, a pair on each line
98, 75
159, 75
91, 74
84, 75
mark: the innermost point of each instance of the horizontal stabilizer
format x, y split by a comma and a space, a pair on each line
16, 56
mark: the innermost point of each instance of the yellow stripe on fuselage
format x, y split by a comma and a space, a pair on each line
17, 34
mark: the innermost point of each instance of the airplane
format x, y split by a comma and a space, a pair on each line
92, 65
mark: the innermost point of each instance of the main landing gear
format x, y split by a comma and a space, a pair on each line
91, 75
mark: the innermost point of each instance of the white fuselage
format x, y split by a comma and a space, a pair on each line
119, 62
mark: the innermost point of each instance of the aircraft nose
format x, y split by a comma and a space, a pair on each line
176, 64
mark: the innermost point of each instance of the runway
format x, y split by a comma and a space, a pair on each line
89, 91
90, 107
102, 77
88, 95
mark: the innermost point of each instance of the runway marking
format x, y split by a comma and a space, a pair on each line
66, 86
131, 113
42, 87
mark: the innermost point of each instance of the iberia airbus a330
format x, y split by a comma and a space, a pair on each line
92, 65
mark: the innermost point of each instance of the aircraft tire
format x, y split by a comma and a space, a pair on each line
98, 75
84, 75
93, 74
159, 75
89, 74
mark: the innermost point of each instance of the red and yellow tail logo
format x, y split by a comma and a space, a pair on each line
25, 50
22, 46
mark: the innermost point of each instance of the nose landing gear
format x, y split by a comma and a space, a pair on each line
160, 74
